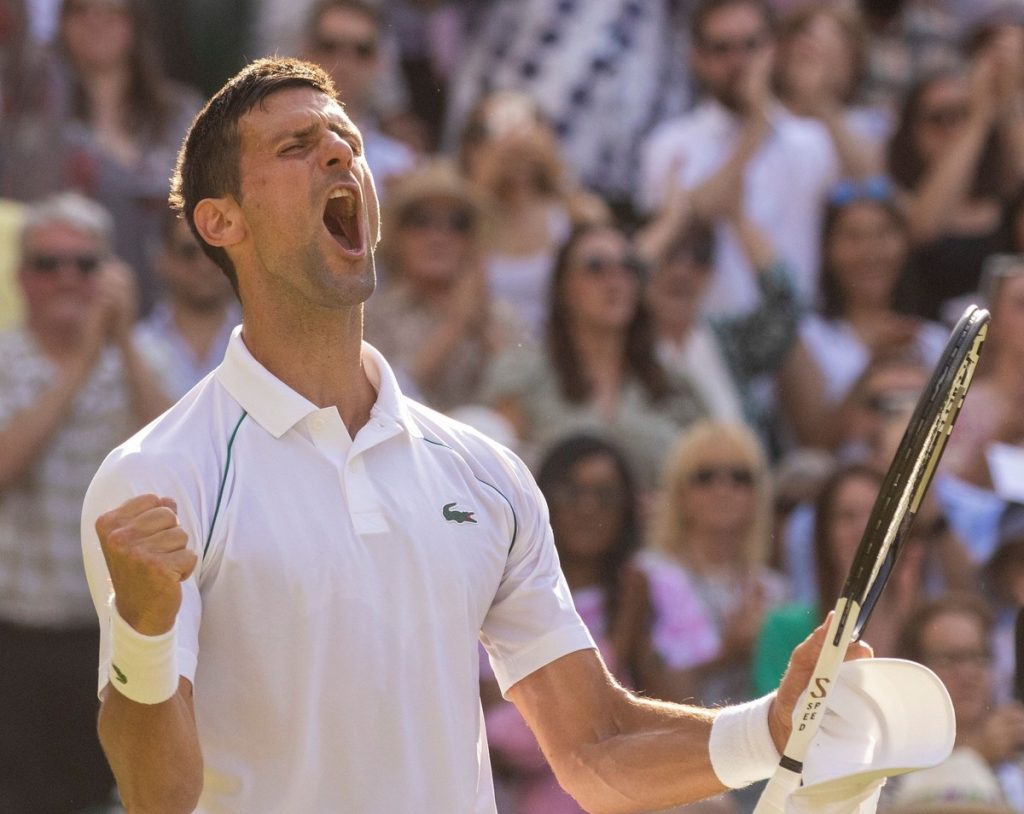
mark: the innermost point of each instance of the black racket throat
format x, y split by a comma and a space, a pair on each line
912, 469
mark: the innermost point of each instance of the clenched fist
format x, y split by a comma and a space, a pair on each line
148, 559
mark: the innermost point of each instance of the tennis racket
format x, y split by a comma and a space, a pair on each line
899, 498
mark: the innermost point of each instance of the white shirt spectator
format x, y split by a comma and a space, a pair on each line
786, 184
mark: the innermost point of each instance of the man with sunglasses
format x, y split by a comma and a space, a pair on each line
72, 383
344, 38
319, 556
740, 137
189, 327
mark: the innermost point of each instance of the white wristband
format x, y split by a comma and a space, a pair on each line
741, 746
142, 668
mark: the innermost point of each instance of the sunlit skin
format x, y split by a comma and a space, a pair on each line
822, 36
866, 251
295, 277
605, 301
722, 74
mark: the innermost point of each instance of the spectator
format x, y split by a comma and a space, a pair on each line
740, 137
189, 328
841, 515
710, 535
864, 253
1015, 222
818, 73
991, 413
602, 72
953, 636
434, 317
598, 368
511, 153
957, 154
595, 521
124, 121
1003, 578
72, 383
722, 356
344, 38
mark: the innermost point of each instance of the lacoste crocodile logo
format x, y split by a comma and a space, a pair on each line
118, 674
454, 514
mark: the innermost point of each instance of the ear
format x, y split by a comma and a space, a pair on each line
220, 222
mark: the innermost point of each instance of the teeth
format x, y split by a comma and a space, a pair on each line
348, 205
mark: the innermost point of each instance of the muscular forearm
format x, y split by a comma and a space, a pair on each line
651, 760
26, 434
857, 158
153, 750
706, 198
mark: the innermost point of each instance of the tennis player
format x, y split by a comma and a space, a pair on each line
293, 566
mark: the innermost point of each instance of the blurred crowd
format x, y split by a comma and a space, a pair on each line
694, 260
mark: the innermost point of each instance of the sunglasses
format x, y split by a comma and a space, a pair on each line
872, 188
50, 264
341, 47
736, 475
459, 221
944, 117
597, 265
739, 45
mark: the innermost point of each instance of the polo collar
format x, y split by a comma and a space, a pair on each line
278, 408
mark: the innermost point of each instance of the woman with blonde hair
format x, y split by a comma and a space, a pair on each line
706, 564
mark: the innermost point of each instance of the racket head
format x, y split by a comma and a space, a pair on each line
913, 466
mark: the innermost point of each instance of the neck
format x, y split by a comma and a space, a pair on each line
316, 352
58, 342
675, 329
713, 549
600, 349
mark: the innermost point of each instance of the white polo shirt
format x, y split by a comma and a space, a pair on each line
331, 632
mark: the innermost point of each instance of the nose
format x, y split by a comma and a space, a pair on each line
337, 152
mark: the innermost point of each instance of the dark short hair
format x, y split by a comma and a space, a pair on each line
910, 645
705, 8
209, 162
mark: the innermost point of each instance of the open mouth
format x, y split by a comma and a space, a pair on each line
341, 217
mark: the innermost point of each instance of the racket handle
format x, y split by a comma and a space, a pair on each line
773, 799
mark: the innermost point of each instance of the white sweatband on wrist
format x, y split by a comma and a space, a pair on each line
142, 668
741, 746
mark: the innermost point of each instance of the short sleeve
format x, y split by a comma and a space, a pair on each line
532, 620
120, 478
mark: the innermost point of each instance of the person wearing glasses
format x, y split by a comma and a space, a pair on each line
434, 317
72, 383
958, 156
707, 552
863, 315
344, 38
597, 368
741, 136
953, 635
190, 325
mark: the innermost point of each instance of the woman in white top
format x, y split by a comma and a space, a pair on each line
511, 153
864, 255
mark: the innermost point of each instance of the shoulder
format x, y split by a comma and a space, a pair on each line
667, 133
489, 462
